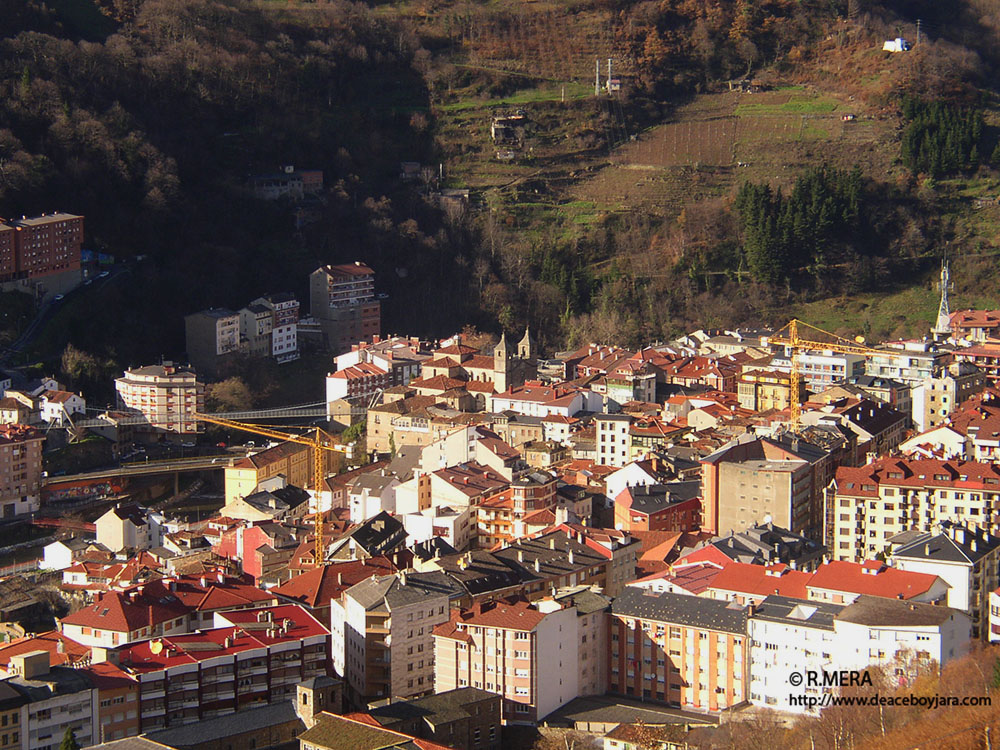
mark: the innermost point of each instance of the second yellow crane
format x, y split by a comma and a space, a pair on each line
814, 339
316, 438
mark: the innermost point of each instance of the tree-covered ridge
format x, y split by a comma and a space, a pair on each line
940, 138
784, 235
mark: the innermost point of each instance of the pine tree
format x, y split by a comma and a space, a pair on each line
69, 741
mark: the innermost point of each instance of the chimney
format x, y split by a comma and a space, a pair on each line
520, 555
538, 566
552, 542
150, 611
570, 557
340, 579
402, 578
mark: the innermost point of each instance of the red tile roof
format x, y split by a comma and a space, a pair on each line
245, 633
315, 588
761, 580
887, 582
694, 577
69, 652
511, 615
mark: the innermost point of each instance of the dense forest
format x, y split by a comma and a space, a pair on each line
148, 116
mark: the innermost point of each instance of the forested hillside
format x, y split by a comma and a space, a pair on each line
148, 116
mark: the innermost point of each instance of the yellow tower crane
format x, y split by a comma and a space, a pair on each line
316, 438
815, 338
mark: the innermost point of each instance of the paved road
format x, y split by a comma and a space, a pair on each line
49, 308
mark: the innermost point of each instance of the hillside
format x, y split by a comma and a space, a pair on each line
602, 217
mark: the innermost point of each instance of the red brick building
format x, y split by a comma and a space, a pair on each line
40, 246
659, 507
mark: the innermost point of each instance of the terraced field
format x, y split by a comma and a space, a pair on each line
720, 140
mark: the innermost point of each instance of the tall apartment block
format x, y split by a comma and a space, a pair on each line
168, 395
342, 298
40, 245
21, 473
212, 337
269, 327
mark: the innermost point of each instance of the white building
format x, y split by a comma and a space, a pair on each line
457, 526
62, 553
130, 527
967, 559
793, 636
167, 395
59, 407
613, 441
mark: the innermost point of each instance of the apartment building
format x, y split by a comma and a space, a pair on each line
764, 390
20, 469
789, 635
907, 361
536, 656
293, 461
680, 650
381, 634
936, 397
618, 547
8, 251
269, 327
10, 710
839, 582
249, 659
58, 698
873, 503
504, 516
362, 380
758, 480
212, 338
40, 245
167, 395
613, 441
343, 299
401, 357
965, 557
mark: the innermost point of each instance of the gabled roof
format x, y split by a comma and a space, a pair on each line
873, 578
315, 588
760, 580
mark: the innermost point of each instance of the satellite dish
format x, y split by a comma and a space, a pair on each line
156, 647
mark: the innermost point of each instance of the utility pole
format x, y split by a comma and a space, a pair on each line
609, 74
597, 76
918, 31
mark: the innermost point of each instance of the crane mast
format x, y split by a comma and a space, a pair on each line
790, 337
318, 439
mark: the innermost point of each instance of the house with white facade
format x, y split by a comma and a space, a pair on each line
60, 407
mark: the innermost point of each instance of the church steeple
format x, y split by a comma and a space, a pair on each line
501, 365
526, 346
